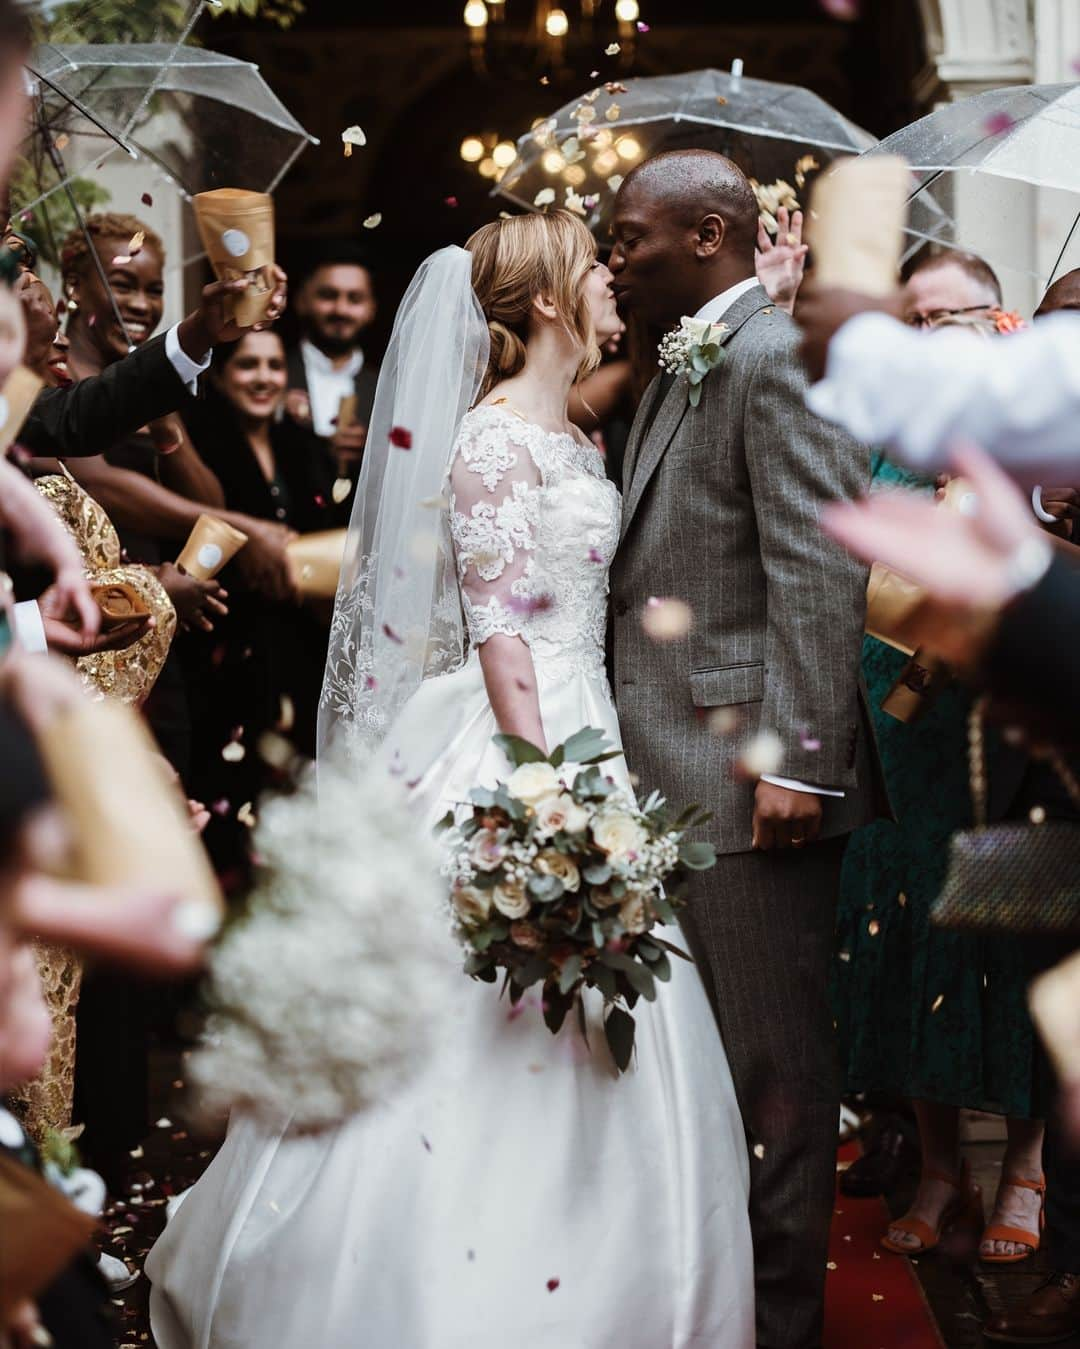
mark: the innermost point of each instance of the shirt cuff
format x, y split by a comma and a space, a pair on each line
29, 629
793, 786
188, 370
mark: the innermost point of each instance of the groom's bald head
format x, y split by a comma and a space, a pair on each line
685, 226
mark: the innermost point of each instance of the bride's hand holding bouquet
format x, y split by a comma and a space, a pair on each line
561, 879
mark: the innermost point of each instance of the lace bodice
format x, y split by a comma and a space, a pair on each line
534, 523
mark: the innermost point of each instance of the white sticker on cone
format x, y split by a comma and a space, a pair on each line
209, 556
236, 243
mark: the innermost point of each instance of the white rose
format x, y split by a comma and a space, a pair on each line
471, 905
486, 850
552, 863
697, 329
562, 812
618, 834
511, 900
532, 782
632, 912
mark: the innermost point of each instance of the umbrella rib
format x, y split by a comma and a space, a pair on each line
1064, 247
81, 108
193, 17
58, 164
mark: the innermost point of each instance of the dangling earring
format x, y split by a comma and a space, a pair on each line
72, 305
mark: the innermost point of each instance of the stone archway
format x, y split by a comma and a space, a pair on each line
984, 44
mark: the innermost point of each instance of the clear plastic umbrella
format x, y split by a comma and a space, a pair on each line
592, 141
203, 118
1025, 134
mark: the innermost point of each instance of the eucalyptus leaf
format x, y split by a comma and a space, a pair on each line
447, 822
597, 874
519, 750
534, 969
697, 856
583, 744
604, 979
556, 1006
546, 889
661, 967
568, 975
675, 950
619, 1031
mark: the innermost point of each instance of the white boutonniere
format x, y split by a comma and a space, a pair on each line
693, 349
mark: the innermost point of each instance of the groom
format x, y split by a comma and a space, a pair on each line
720, 510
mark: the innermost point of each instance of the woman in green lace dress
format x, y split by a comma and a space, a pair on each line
937, 1017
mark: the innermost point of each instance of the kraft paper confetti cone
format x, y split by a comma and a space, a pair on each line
129, 824
43, 1231
17, 396
315, 560
211, 544
237, 231
856, 222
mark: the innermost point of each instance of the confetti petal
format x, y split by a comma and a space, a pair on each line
998, 123
373, 221
612, 49
233, 752
642, 27
450, 201
147, 199
400, 438
340, 490
845, 10
666, 620
137, 241
544, 197
552, 1284
353, 135
764, 753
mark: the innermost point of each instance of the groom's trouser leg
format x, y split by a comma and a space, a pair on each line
761, 928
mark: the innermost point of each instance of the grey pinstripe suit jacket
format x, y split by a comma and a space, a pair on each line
720, 508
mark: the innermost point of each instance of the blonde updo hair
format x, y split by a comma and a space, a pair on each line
518, 258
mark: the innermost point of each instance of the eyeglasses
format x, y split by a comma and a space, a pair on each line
937, 316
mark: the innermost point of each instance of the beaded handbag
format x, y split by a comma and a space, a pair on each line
1011, 877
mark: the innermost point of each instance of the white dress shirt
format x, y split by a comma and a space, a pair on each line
29, 628
328, 385
918, 393
188, 370
713, 312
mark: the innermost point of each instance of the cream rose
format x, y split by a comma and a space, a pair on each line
702, 331
531, 782
633, 914
619, 834
486, 850
552, 863
471, 905
511, 900
562, 812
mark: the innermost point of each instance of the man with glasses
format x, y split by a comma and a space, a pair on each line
949, 285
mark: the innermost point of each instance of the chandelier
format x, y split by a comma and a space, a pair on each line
550, 34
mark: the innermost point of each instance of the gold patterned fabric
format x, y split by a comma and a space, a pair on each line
126, 675
45, 1104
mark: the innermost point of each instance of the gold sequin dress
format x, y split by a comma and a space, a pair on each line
45, 1104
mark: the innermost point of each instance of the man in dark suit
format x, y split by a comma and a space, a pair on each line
720, 510
334, 304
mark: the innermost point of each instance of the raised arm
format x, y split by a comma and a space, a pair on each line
494, 508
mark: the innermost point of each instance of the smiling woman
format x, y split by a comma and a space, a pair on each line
110, 319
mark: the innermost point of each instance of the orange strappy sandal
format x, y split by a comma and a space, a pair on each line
1001, 1232
966, 1205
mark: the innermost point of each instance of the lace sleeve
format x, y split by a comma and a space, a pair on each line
494, 510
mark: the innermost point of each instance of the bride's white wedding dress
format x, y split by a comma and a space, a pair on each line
517, 1192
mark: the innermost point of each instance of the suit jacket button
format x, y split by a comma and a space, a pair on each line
621, 608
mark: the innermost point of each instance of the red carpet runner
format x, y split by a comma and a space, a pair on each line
871, 1303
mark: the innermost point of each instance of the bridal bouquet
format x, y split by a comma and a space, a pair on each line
560, 879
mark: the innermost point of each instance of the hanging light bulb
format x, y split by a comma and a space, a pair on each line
476, 15
504, 154
605, 163
488, 168
552, 162
557, 24
472, 149
628, 148
574, 174
627, 11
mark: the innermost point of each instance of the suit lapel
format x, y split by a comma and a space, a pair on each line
637, 433
646, 449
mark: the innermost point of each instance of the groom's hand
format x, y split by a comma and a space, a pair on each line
783, 818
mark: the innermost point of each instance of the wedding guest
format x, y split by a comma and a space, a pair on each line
334, 305
266, 654
917, 393
948, 285
934, 1016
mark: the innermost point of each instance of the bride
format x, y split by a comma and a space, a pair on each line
517, 1191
